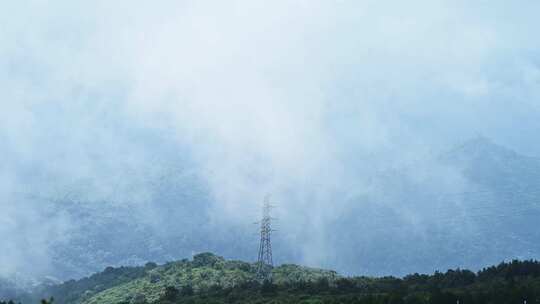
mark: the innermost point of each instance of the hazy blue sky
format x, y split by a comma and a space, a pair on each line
303, 99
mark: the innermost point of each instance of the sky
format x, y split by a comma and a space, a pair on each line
303, 99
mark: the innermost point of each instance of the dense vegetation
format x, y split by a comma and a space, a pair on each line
514, 282
211, 279
77, 291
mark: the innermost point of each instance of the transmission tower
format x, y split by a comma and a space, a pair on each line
264, 261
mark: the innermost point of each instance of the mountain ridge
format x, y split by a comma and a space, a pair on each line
411, 207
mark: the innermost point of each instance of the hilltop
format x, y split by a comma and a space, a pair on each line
205, 272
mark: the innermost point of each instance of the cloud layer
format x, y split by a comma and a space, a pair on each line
306, 100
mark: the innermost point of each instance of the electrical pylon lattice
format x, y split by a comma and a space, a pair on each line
264, 261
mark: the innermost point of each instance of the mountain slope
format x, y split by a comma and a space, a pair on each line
476, 205
472, 206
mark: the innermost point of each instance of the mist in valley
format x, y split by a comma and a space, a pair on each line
393, 137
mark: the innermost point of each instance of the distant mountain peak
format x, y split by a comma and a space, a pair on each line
494, 166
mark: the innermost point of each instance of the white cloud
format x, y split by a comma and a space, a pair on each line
301, 97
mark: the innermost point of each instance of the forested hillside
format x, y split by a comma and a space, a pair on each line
412, 220
211, 279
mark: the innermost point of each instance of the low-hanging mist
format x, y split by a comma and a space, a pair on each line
133, 132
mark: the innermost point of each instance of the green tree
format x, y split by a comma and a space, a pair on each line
187, 291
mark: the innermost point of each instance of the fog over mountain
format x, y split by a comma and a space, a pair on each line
393, 137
